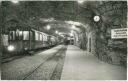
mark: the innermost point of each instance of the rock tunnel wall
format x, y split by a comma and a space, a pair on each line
106, 49
83, 41
99, 41
1, 46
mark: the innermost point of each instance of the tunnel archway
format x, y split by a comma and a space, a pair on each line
56, 14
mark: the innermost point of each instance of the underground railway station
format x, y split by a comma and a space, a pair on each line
63, 40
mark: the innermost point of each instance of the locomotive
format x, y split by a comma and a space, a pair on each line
22, 40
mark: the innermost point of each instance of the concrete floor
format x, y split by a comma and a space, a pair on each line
81, 65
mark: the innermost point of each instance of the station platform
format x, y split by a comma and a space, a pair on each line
82, 65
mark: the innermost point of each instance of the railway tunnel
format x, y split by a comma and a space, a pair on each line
63, 40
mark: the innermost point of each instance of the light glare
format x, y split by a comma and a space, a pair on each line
73, 26
14, 1
48, 27
80, 1
96, 18
71, 34
56, 32
11, 48
73, 23
47, 19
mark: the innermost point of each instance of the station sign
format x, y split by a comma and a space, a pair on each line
119, 33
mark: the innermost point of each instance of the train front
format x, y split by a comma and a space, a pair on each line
15, 42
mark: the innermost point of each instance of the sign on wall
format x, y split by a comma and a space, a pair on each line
119, 33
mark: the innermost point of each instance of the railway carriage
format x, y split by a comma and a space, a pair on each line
23, 40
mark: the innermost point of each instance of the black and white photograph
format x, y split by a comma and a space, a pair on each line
63, 39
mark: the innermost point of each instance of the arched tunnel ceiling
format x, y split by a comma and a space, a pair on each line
59, 10
31, 12
68, 11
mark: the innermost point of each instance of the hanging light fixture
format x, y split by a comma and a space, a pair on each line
80, 1
73, 27
48, 27
57, 32
15, 1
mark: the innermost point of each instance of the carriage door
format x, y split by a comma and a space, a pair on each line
32, 39
90, 44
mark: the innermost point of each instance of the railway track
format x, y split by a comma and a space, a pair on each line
59, 67
9, 59
50, 69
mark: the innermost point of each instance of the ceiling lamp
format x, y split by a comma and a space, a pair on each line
14, 1
73, 27
80, 1
74, 23
47, 19
57, 32
48, 27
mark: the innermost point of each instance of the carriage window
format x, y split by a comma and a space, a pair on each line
36, 36
19, 35
44, 38
25, 35
5, 40
41, 37
12, 35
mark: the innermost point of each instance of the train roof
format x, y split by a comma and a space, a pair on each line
23, 27
39, 32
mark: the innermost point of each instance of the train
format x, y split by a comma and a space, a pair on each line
22, 40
